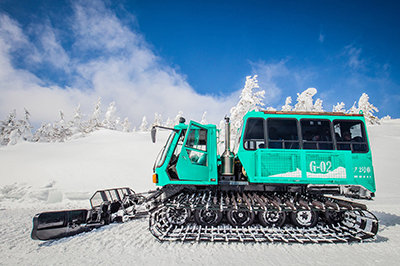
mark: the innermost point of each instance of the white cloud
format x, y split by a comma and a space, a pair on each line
106, 59
321, 37
52, 51
354, 59
11, 34
97, 27
304, 77
267, 74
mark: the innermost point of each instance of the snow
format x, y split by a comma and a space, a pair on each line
105, 159
37, 177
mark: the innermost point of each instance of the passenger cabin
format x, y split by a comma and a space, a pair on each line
322, 150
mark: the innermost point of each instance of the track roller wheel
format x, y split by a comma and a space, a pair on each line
304, 218
240, 217
272, 218
333, 217
208, 217
177, 216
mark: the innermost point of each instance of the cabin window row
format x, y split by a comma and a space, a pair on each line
315, 134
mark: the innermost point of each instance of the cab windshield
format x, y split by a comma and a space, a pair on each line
164, 150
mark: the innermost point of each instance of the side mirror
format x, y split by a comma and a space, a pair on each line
153, 134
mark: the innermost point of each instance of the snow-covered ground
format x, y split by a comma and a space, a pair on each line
37, 177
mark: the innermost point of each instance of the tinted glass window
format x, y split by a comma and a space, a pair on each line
254, 134
165, 149
197, 144
197, 138
282, 134
350, 135
316, 134
179, 145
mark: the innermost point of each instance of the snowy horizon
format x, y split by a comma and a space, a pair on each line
14, 130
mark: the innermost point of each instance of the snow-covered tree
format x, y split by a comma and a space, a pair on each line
44, 133
118, 124
177, 118
157, 120
25, 127
385, 118
305, 100
14, 137
11, 120
110, 119
13, 130
318, 106
61, 130
287, 106
76, 124
94, 121
7, 126
203, 119
169, 123
249, 101
126, 125
144, 126
367, 109
353, 109
339, 107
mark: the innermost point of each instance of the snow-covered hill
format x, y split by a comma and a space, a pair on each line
73, 170
37, 177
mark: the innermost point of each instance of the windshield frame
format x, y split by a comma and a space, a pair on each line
162, 155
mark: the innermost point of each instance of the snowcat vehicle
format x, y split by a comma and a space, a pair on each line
285, 180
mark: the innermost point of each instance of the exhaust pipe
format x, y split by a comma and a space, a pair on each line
227, 157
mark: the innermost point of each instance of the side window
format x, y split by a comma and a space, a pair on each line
254, 137
196, 145
178, 147
282, 133
197, 138
316, 134
165, 150
350, 135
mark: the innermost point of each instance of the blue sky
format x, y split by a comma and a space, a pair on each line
194, 56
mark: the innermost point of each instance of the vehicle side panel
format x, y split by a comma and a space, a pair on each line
301, 164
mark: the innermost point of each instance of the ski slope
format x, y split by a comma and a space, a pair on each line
37, 177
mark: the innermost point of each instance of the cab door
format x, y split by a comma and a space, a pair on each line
193, 162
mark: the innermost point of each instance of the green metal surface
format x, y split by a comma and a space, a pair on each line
307, 166
197, 160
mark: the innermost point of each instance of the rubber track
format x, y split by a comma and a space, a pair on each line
358, 225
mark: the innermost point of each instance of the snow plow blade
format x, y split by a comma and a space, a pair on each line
109, 205
52, 225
